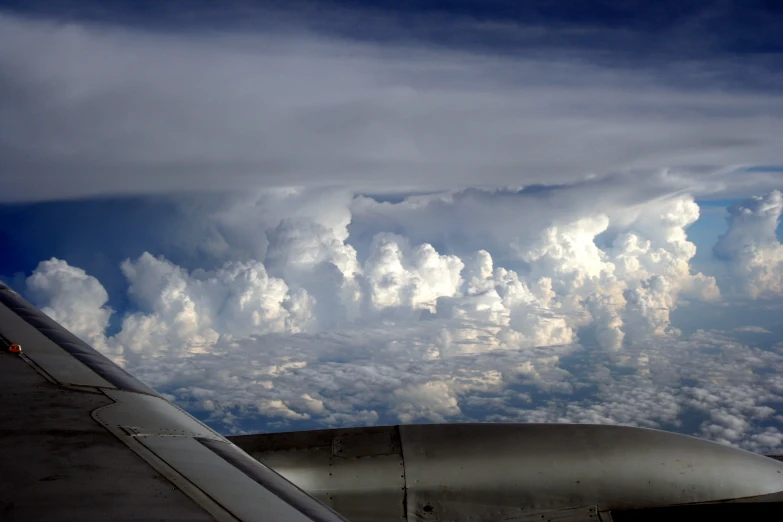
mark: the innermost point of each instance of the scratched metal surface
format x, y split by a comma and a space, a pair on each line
57, 463
66, 357
483, 472
81, 439
358, 472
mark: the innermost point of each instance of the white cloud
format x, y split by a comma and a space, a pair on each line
497, 310
399, 276
631, 287
242, 221
387, 371
767, 440
350, 321
706, 384
313, 258
751, 247
581, 264
190, 311
752, 329
619, 271
433, 401
74, 299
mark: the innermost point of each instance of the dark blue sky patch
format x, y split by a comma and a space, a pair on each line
720, 203
691, 420
730, 315
764, 168
96, 235
655, 27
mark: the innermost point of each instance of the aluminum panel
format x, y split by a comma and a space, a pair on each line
148, 415
488, 472
275, 483
52, 358
495, 470
58, 464
359, 472
226, 484
53, 361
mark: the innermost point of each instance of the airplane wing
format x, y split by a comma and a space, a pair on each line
82, 439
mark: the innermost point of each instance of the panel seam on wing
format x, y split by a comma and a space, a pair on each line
160, 465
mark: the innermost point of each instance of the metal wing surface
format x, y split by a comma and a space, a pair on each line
82, 439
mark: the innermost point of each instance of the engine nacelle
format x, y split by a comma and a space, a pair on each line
483, 472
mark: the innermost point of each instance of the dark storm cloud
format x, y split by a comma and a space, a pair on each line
92, 108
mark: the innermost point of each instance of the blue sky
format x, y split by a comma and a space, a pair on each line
348, 213
745, 27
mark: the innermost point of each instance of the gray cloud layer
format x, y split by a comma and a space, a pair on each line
89, 109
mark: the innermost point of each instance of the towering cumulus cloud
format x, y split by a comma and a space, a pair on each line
618, 272
465, 305
751, 246
74, 299
399, 276
181, 312
630, 287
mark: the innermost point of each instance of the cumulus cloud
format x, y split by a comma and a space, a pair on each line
752, 329
97, 108
398, 276
242, 222
498, 310
631, 287
353, 316
751, 247
386, 371
189, 311
619, 271
706, 384
432, 401
74, 299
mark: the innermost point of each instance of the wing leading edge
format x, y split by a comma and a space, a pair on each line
82, 439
